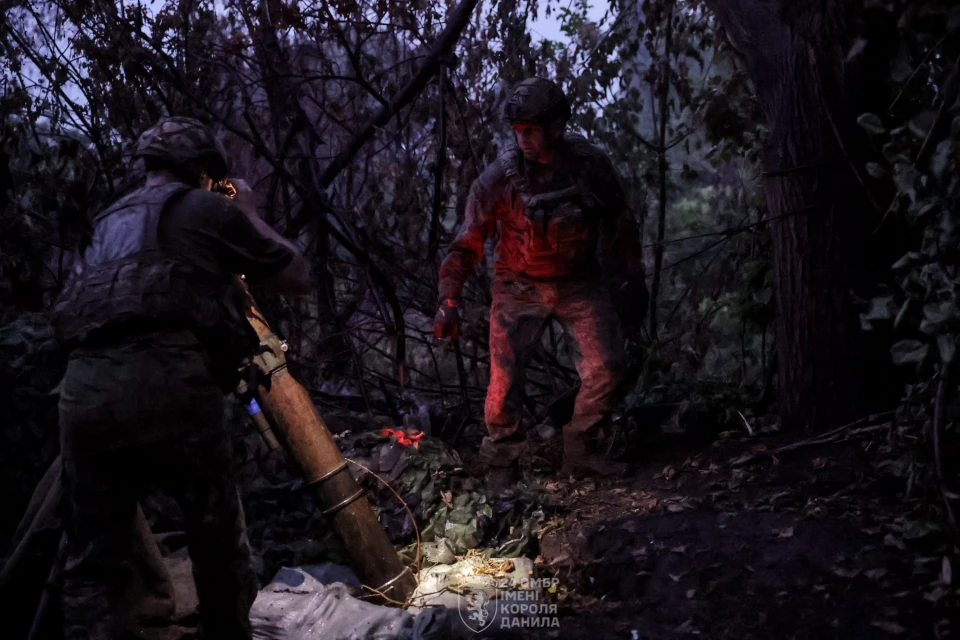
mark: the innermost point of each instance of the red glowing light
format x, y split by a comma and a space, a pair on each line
407, 439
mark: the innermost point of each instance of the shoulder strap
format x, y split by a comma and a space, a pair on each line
510, 163
144, 195
581, 148
159, 202
578, 145
132, 223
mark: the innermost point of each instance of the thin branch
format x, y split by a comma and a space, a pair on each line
441, 48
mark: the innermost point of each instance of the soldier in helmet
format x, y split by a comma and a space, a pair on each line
155, 342
557, 205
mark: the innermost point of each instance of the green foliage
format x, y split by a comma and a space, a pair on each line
69, 119
573, 17
921, 153
31, 365
919, 143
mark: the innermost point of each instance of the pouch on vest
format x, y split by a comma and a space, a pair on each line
230, 341
560, 231
559, 235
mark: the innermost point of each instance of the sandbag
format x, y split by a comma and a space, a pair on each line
297, 606
471, 589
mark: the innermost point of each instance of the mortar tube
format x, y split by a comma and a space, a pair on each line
260, 422
310, 443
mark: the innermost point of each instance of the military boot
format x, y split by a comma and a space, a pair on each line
580, 459
501, 468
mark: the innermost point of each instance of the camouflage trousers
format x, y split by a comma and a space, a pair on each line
130, 394
518, 316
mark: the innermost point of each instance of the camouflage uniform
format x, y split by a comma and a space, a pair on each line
520, 311
138, 415
554, 229
155, 339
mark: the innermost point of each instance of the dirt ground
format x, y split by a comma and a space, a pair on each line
815, 543
726, 540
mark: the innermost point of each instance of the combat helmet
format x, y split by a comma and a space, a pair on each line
536, 101
180, 141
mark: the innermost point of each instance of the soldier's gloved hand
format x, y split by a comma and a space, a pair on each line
447, 322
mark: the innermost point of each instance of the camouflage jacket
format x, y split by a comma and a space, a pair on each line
551, 228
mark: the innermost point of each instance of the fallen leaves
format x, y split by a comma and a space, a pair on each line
742, 460
935, 594
554, 523
676, 504
890, 627
643, 502
891, 540
814, 538
846, 573
493, 567
686, 627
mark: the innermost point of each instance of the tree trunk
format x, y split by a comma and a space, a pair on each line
662, 167
821, 215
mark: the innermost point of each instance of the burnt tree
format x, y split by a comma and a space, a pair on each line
811, 85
